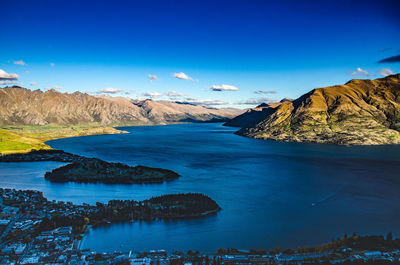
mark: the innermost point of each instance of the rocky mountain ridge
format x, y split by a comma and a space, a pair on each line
360, 112
21, 106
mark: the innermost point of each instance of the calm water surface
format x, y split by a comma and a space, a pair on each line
272, 193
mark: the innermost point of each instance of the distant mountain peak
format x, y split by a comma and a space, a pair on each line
286, 100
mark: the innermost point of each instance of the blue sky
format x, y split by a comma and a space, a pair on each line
232, 53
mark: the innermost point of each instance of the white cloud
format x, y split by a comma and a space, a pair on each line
33, 83
265, 92
9, 82
174, 94
109, 90
256, 101
205, 102
20, 62
361, 72
6, 76
224, 88
152, 77
52, 64
386, 72
152, 94
182, 75
131, 91
53, 87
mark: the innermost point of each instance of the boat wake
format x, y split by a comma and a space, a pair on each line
324, 199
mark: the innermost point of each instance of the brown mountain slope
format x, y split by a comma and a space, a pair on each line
161, 112
21, 106
361, 112
253, 116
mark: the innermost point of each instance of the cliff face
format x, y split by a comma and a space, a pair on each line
21, 106
361, 112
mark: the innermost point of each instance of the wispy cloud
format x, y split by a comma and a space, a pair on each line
385, 49
109, 90
182, 75
152, 77
392, 59
256, 101
173, 95
6, 76
224, 88
361, 72
265, 92
205, 102
33, 83
53, 87
20, 62
386, 71
52, 64
130, 92
152, 94
9, 82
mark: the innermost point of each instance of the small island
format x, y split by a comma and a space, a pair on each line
95, 170
92, 170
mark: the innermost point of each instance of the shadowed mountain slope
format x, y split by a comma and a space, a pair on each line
361, 112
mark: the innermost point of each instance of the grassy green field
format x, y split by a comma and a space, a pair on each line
22, 139
11, 142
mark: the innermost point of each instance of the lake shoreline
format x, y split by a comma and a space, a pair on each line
260, 185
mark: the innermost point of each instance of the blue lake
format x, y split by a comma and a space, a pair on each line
272, 193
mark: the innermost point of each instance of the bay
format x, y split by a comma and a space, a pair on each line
271, 193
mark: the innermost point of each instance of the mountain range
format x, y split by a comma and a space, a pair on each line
21, 106
360, 112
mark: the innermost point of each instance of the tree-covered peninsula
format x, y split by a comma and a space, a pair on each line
53, 214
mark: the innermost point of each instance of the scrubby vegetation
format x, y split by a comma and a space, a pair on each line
360, 112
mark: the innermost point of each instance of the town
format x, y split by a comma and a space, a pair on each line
34, 230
